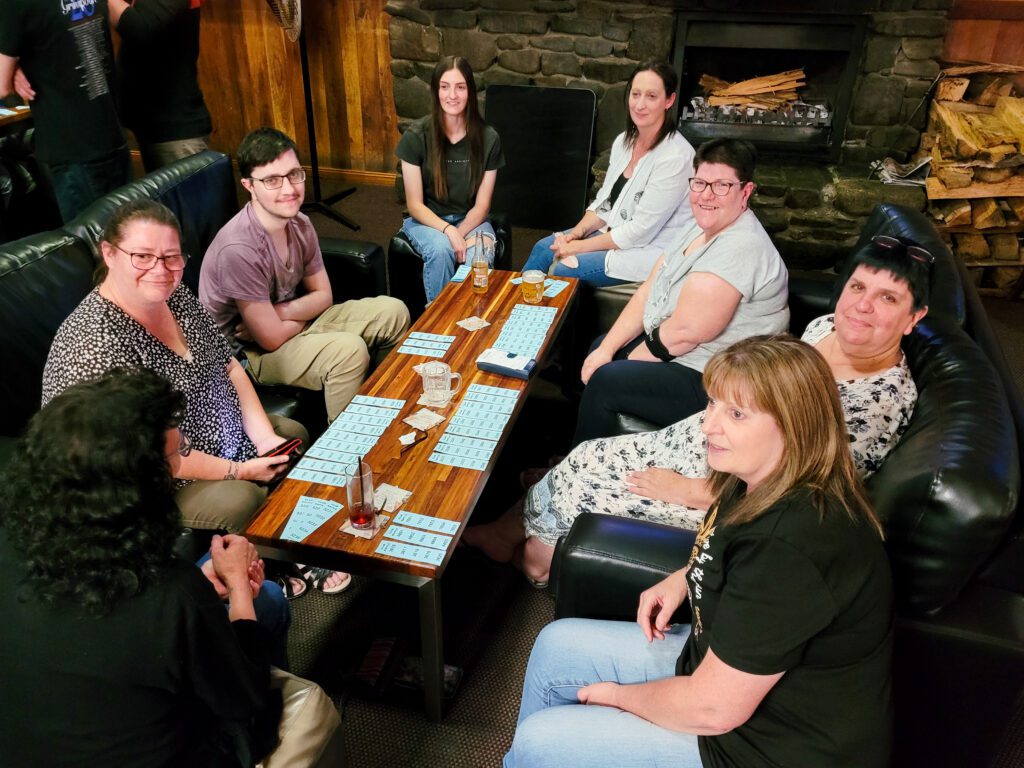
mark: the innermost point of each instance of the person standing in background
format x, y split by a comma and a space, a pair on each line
158, 78
57, 56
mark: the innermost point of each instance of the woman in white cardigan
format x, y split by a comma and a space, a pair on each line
643, 201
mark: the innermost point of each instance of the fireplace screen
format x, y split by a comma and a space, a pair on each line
795, 75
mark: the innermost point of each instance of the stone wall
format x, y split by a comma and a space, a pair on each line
813, 212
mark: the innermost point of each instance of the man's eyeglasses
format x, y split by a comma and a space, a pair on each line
174, 262
718, 188
916, 252
296, 176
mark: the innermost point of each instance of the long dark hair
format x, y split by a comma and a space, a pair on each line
670, 80
474, 128
88, 499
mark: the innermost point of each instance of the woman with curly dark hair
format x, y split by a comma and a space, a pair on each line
117, 652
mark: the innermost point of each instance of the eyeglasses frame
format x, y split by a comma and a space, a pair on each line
711, 185
131, 256
916, 252
280, 177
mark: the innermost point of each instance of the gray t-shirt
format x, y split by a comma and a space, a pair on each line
414, 148
743, 255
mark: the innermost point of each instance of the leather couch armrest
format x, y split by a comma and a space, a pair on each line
603, 564
356, 269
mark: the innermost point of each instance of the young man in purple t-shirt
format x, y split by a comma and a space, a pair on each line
264, 283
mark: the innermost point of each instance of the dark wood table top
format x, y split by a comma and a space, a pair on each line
437, 490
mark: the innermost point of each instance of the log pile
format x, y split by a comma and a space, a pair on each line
975, 138
768, 92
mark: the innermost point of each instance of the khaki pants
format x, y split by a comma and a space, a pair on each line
229, 504
333, 353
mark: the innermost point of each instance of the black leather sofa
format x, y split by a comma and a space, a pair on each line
949, 496
44, 276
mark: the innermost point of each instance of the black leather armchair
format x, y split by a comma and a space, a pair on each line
949, 498
43, 277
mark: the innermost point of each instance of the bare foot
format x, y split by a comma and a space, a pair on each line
498, 540
535, 559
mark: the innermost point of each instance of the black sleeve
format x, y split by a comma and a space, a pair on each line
228, 662
146, 19
774, 601
12, 34
495, 157
412, 147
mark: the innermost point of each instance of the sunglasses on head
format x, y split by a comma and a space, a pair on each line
915, 252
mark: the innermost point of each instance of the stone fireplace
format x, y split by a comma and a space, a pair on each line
872, 62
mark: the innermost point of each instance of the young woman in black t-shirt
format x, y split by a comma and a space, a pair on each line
450, 161
786, 661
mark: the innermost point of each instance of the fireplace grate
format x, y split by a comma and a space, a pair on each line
797, 121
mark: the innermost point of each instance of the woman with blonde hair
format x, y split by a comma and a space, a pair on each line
787, 658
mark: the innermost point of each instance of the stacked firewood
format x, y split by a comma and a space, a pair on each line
976, 140
768, 92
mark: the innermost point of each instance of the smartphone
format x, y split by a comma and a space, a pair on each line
290, 448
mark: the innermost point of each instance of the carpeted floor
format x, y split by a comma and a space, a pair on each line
491, 615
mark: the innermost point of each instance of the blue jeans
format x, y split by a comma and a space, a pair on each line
590, 269
555, 730
273, 614
436, 251
77, 185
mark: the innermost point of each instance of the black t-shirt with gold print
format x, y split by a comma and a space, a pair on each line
809, 596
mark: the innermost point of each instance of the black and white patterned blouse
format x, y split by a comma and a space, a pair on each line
592, 478
99, 336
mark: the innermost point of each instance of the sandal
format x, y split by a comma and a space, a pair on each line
292, 586
318, 577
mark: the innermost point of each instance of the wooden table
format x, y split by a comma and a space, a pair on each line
437, 490
21, 120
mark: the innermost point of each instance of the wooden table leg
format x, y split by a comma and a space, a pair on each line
432, 650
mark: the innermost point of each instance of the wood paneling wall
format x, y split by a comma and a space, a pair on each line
251, 76
991, 30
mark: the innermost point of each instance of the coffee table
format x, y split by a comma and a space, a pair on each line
437, 490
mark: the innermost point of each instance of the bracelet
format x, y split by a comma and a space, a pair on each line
232, 471
658, 349
445, 228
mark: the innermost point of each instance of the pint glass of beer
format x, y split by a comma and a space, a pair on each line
533, 286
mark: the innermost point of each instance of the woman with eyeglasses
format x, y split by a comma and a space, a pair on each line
450, 161
661, 476
140, 316
720, 281
642, 203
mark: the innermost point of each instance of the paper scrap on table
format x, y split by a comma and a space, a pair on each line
390, 497
408, 438
423, 419
424, 400
473, 323
426, 522
309, 514
367, 533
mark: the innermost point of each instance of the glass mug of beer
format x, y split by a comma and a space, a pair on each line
361, 513
533, 286
481, 256
437, 382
